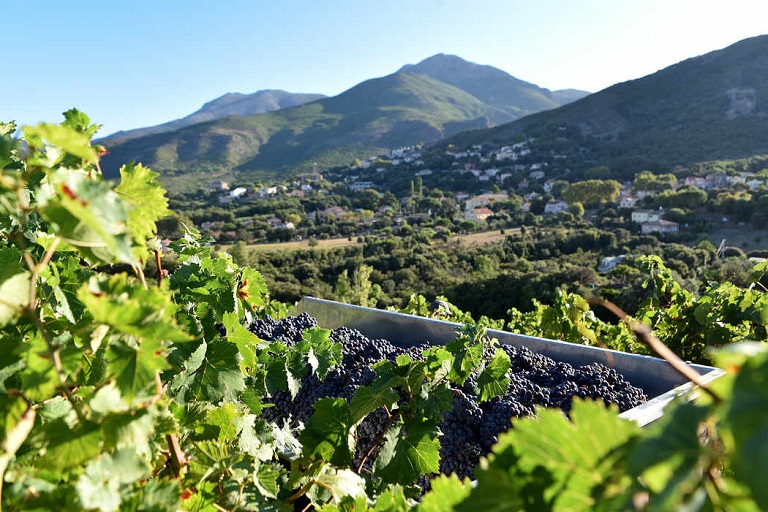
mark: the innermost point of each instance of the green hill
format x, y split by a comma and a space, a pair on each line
401, 109
226, 105
704, 108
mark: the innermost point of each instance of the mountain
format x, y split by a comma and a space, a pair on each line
230, 104
710, 107
515, 97
401, 109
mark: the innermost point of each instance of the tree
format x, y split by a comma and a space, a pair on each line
592, 192
577, 209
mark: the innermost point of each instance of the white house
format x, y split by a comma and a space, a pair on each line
643, 216
484, 200
477, 214
610, 262
554, 207
661, 226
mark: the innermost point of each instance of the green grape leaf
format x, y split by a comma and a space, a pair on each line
65, 137
581, 460
39, 379
446, 492
322, 352
670, 456
366, 400
466, 358
266, 479
155, 495
244, 339
89, 216
747, 416
145, 201
68, 448
493, 380
99, 485
145, 312
410, 450
15, 284
220, 375
220, 424
135, 366
129, 429
327, 434
342, 483
252, 289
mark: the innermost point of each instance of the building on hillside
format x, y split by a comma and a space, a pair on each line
696, 181
608, 263
484, 200
219, 186
642, 216
665, 227
478, 214
554, 207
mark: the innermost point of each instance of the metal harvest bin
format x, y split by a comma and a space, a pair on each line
655, 376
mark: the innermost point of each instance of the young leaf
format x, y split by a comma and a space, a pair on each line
145, 201
493, 380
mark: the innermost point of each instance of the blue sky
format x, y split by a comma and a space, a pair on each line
138, 63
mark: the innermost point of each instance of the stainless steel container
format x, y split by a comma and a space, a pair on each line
655, 376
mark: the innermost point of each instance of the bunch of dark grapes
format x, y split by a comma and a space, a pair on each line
460, 450
469, 430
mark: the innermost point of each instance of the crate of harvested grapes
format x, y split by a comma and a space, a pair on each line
549, 372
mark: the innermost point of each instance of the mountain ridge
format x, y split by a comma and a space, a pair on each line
232, 103
371, 117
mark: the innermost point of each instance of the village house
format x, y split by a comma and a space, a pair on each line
642, 216
478, 214
665, 227
554, 207
484, 200
608, 263
696, 181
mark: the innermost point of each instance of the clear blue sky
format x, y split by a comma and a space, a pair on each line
138, 63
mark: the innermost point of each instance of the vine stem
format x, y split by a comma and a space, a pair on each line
645, 335
306, 487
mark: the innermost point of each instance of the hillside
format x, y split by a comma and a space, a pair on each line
704, 108
401, 109
229, 104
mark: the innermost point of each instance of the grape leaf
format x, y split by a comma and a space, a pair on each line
670, 456
327, 434
145, 201
134, 366
221, 378
446, 492
409, 451
747, 416
366, 400
69, 448
220, 424
322, 352
89, 216
99, 486
65, 137
342, 483
266, 479
581, 461
493, 380
129, 429
244, 339
15, 283
252, 289
144, 312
